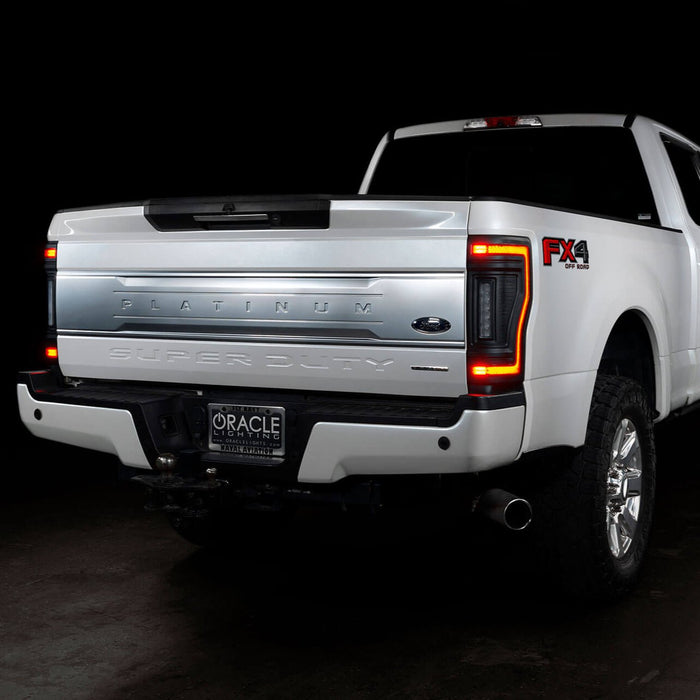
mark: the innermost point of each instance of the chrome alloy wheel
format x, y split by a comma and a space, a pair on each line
624, 488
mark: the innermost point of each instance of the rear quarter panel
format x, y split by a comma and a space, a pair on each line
576, 304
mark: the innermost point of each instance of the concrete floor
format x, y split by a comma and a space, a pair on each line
100, 599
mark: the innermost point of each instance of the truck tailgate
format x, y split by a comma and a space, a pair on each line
310, 293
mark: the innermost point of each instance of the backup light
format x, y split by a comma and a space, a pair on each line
486, 299
501, 122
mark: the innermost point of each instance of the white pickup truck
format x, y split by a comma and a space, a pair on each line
499, 317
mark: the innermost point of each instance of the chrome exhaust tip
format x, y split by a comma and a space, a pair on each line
513, 512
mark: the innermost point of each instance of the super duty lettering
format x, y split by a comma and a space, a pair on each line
501, 315
233, 359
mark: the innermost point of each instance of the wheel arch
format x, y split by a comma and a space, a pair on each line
632, 350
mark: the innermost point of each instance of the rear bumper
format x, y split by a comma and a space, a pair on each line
329, 436
478, 441
109, 430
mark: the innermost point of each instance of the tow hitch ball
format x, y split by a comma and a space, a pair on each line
511, 511
165, 464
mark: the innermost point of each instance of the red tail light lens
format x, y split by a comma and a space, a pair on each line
499, 292
50, 267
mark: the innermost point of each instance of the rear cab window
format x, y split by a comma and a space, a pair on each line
596, 170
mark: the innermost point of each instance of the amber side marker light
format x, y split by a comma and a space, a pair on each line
483, 250
50, 253
51, 353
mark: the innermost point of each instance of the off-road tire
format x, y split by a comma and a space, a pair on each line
582, 512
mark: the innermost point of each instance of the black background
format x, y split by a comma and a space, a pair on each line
129, 110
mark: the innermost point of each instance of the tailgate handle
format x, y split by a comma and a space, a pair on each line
228, 218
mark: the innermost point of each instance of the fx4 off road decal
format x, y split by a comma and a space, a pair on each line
573, 254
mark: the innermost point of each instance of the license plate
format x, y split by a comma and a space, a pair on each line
246, 431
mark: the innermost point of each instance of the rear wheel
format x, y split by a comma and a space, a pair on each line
596, 513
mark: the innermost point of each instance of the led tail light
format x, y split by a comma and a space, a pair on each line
499, 292
50, 266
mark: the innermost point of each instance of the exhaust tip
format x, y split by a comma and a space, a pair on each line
511, 511
518, 514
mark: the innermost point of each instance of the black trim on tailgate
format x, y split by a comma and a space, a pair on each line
231, 213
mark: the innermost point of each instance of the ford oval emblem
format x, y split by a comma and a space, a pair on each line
431, 324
